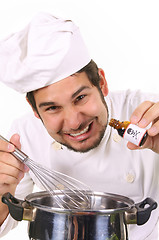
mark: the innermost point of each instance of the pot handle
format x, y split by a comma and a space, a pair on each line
143, 214
15, 206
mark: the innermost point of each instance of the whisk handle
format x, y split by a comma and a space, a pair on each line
20, 155
17, 153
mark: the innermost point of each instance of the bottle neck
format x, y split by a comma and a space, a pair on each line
118, 125
124, 124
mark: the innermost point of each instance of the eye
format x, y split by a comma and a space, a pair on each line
79, 98
52, 108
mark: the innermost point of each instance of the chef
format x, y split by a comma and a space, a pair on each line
68, 128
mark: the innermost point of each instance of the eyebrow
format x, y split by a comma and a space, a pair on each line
45, 104
51, 103
79, 90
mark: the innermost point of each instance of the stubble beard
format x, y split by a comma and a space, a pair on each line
97, 141
94, 145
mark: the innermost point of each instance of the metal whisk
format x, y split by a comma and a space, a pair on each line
75, 192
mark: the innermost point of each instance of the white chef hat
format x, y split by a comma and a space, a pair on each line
47, 50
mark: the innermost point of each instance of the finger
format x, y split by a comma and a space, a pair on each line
132, 146
9, 170
144, 114
154, 130
9, 146
11, 174
148, 144
6, 146
6, 179
150, 116
15, 139
9, 179
8, 159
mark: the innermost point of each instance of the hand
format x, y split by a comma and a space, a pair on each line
11, 169
146, 113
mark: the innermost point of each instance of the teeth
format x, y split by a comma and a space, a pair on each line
77, 134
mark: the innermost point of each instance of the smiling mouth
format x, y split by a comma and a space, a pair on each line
80, 133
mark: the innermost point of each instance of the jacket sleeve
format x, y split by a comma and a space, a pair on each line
23, 189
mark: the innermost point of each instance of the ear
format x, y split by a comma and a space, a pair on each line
35, 112
103, 82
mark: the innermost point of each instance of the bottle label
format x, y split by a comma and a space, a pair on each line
134, 134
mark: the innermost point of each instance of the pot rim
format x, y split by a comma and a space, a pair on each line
128, 202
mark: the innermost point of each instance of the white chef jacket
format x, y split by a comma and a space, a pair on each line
111, 167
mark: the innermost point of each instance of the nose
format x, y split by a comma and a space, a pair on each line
72, 119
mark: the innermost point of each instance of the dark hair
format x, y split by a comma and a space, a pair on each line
91, 69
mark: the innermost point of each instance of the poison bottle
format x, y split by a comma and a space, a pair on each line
130, 132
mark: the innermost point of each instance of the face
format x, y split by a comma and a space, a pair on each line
73, 111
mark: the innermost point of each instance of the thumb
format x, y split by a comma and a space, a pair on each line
132, 146
15, 139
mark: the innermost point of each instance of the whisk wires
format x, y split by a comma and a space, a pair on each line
74, 191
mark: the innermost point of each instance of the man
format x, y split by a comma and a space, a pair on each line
69, 96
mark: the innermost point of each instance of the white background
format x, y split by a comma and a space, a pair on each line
122, 36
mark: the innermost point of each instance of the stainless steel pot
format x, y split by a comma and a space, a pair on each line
107, 220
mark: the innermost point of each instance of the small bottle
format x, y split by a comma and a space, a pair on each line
130, 132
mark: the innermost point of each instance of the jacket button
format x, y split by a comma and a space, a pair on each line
116, 138
60, 187
56, 146
130, 178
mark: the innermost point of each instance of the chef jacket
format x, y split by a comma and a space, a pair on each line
111, 167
